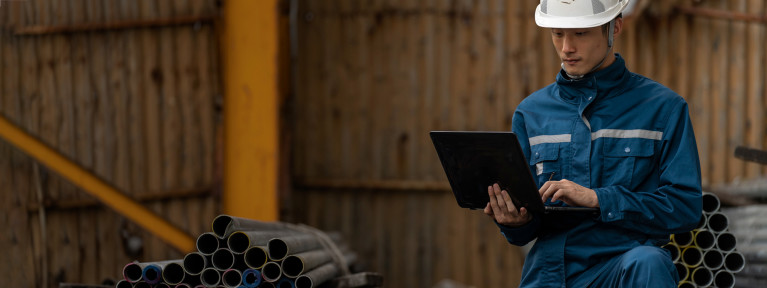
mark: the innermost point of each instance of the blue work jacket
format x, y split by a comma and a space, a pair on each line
629, 139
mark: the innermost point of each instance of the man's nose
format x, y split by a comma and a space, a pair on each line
568, 46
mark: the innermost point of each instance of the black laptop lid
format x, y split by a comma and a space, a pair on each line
475, 160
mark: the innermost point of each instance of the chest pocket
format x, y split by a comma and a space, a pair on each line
627, 161
545, 158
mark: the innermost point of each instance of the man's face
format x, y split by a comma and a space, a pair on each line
580, 48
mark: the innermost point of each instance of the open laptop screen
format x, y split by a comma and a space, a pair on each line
475, 160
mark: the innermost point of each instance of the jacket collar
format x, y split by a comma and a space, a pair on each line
600, 84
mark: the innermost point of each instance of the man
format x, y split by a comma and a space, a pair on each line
601, 136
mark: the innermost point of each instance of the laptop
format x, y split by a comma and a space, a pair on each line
474, 160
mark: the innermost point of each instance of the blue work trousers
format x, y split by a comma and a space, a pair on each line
643, 266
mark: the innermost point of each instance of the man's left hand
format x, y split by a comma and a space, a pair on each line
569, 192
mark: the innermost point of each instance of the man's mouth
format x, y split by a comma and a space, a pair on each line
570, 61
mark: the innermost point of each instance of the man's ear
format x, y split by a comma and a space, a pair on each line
618, 26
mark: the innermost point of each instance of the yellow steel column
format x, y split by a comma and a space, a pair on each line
249, 50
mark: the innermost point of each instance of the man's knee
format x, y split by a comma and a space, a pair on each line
643, 266
646, 256
649, 264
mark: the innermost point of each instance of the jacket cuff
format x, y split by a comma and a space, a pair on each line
608, 204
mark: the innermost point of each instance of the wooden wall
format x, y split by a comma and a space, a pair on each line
373, 77
127, 89
717, 64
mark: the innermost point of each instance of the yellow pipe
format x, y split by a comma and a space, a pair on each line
104, 192
249, 50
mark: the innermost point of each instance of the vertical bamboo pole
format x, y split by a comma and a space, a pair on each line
719, 97
250, 49
755, 87
736, 99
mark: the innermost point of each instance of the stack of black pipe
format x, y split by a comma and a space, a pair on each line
707, 256
247, 253
749, 224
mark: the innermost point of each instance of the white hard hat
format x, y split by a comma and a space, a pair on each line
577, 13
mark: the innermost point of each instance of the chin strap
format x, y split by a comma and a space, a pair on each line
609, 48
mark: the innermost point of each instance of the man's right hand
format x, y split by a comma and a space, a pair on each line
503, 211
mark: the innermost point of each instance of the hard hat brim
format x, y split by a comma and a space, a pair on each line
548, 21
